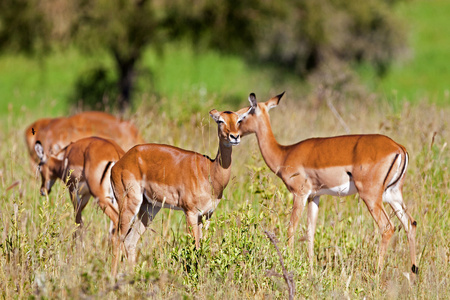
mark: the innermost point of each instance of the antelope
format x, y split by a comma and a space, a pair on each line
152, 176
85, 168
374, 166
55, 134
30, 135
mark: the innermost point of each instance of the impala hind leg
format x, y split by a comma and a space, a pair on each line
375, 206
394, 197
297, 209
313, 212
106, 205
146, 214
130, 198
80, 198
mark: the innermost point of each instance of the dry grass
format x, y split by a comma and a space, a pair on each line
39, 258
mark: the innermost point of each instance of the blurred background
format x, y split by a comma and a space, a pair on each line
65, 56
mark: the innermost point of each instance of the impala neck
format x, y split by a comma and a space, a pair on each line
56, 167
272, 152
221, 169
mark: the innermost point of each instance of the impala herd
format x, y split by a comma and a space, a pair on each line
96, 154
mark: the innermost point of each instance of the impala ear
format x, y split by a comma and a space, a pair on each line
273, 102
39, 151
244, 115
216, 116
253, 101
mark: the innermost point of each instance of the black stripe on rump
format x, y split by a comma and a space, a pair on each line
104, 172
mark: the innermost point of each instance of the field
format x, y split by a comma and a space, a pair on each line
40, 259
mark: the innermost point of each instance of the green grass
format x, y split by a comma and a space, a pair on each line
38, 257
423, 72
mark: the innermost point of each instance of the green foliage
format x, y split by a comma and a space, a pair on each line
15, 246
23, 26
96, 89
299, 35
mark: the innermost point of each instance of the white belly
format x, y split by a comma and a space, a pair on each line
342, 190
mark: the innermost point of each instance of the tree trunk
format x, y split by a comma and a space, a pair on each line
126, 71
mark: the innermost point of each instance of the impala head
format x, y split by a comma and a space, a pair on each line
228, 126
48, 175
256, 113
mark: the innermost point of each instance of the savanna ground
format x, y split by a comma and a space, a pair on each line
40, 259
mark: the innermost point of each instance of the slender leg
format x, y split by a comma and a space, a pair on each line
130, 199
109, 209
395, 198
115, 251
313, 211
146, 215
192, 221
203, 225
297, 209
385, 225
83, 200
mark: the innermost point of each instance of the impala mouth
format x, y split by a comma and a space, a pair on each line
234, 143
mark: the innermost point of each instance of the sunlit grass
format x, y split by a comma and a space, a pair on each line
38, 256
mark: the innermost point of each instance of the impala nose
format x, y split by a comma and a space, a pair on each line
235, 139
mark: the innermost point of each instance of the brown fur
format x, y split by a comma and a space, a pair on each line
55, 134
317, 166
152, 176
82, 167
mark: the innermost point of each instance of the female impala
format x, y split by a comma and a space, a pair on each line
85, 168
372, 165
152, 176
55, 134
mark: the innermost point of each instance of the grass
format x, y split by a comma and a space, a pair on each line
39, 258
422, 73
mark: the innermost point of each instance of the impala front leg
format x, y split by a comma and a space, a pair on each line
313, 211
192, 221
297, 209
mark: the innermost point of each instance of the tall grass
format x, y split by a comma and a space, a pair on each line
39, 258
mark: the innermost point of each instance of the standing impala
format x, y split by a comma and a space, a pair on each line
85, 168
372, 165
151, 176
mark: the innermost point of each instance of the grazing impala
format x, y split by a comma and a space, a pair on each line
151, 176
55, 134
372, 165
85, 168
31, 132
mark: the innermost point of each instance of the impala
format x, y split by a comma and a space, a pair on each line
30, 135
373, 166
85, 168
151, 176
59, 132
